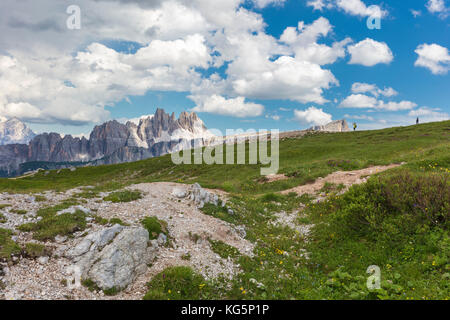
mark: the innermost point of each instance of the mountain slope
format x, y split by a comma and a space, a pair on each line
316, 246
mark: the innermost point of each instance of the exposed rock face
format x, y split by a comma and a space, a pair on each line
109, 143
107, 138
12, 155
113, 257
335, 126
201, 196
52, 147
13, 131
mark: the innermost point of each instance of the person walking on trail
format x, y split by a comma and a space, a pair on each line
417, 121
354, 126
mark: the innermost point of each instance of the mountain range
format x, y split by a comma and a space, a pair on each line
111, 142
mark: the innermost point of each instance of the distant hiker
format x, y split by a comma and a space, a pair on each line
354, 126
417, 121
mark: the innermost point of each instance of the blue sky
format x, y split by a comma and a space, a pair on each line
411, 60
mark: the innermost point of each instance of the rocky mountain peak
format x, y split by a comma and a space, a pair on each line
14, 131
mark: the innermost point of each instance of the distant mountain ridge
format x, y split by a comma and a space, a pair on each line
108, 143
14, 131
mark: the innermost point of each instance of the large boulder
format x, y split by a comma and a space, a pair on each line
113, 257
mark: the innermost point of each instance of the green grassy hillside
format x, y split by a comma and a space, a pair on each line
398, 220
303, 159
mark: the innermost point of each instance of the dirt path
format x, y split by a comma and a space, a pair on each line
347, 178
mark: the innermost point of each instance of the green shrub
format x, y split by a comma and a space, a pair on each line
2, 218
124, 196
154, 227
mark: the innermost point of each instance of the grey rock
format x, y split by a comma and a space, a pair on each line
241, 231
201, 196
60, 239
162, 239
73, 209
113, 257
43, 260
179, 193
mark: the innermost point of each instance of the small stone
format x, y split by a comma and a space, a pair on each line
60, 239
43, 260
241, 231
162, 239
179, 193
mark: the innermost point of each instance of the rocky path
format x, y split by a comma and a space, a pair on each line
189, 230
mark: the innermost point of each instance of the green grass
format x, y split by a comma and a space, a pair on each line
52, 224
302, 159
3, 218
123, 196
114, 221
40, 198
398, 220
178, 283
7, 246
223, 250
19, 211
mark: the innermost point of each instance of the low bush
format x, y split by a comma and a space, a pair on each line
154, 227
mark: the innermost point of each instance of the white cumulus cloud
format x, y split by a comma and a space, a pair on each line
312, 116
362, 101
234, 107
433, 57
370, 52
438, 7
352, 7
359, 87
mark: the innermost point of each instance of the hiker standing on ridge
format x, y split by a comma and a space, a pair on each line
354, 126
417, 121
